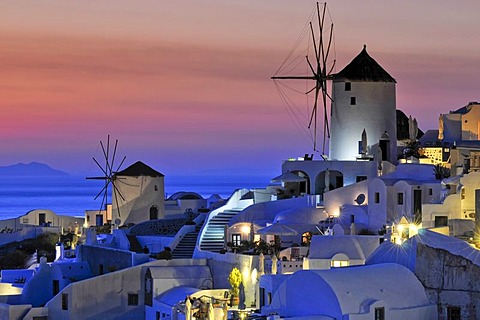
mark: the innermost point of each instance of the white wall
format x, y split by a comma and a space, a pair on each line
382, 210
333, 200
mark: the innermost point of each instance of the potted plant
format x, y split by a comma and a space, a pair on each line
235, 278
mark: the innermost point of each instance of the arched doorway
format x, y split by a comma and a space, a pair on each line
153, 213
334, 179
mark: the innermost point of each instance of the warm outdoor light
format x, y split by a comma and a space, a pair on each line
245, 229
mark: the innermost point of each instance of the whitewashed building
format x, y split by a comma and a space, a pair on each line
382, 291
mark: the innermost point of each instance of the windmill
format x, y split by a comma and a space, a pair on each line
109, 175
319, 68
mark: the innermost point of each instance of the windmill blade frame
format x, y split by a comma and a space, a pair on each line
320, 71
109, 174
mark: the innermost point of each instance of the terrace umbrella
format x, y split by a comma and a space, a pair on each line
440, 127
364, 142
327, 180
261, 264
278, 229
241, 297
379, 158
289, 177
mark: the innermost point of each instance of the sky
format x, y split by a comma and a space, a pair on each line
185, 85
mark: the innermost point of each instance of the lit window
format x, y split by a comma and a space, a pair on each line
353, 101
306, 238
339, 263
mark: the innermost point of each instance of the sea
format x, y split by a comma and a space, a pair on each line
72, 195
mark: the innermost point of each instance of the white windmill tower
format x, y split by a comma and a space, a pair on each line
363, 97
141, 194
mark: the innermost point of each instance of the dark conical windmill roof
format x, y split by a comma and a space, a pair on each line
139, 169
364, 68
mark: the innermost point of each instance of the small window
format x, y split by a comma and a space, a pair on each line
348, 86
25, 220
454, 313
353, 101
133, 299
400, 198
156, 188
380, 313
377, 197
64, 301
463, 194
441, 221
88, 218
430, 191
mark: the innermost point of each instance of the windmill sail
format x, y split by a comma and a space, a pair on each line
108, 169
320, 66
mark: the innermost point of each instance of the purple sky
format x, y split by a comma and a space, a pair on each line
185, 85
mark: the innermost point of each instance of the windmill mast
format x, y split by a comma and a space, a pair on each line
319, 73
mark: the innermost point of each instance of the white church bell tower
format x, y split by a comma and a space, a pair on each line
363, 96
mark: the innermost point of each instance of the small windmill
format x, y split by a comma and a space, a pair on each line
109, 175
320, 70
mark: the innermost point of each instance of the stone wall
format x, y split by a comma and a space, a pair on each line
449, 281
